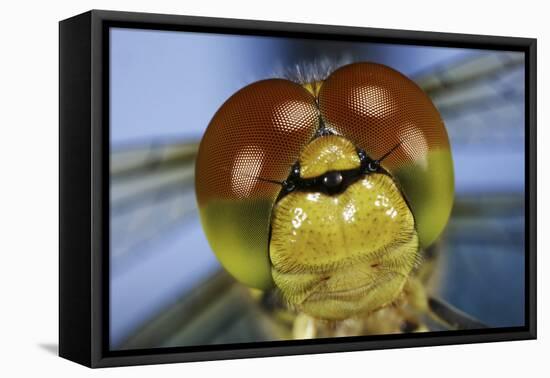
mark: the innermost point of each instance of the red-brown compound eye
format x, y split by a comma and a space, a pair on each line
258, 133
378, 108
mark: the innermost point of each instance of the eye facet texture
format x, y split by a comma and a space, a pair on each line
378, 108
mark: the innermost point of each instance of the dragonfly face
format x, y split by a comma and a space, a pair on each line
326, 190
345, 246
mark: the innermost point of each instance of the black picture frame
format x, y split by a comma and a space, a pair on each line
84, 188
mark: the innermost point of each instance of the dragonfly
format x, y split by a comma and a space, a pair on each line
419, 308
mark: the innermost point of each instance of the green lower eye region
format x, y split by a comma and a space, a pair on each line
337, 256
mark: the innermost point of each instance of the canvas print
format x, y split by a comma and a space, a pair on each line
274, 188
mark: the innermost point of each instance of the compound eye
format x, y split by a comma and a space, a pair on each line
258, 133
379, 109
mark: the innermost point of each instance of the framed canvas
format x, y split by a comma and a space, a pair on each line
234, 188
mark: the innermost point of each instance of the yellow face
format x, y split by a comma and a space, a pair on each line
343, 254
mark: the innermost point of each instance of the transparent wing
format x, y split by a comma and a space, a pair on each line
481, 269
